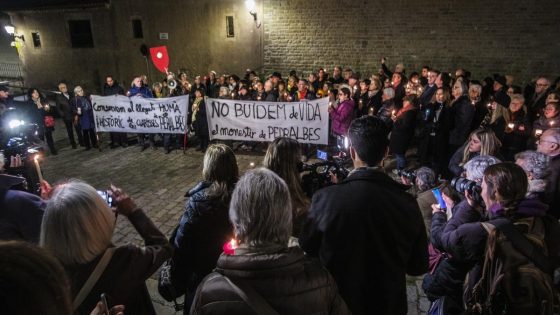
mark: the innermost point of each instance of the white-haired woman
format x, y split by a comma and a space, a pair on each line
77, 229
535, 164
263, 268
83, 111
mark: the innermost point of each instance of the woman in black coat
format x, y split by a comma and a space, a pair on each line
403, 129
42, 114
463, 113
204, 226
436, 120
199, 121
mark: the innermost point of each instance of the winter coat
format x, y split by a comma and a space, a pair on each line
143, 91
369, 233
203, 229
288, 281
86, 116
462, 112
114, 89
21, 213
403, 130
342, 117
64, 106
515, 140
124, 278
201, 123
552, 192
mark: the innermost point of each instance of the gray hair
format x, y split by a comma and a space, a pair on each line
390, 92
425, 178
77, 88
518, 97
475, 86
224, 90
260, 209
534, 162
77, 225
475, 167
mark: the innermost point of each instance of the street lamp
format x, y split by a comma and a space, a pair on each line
11, 30
252, 7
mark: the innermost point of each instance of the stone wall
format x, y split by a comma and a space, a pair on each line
197, 41
511, 37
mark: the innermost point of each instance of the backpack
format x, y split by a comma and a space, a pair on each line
516, 275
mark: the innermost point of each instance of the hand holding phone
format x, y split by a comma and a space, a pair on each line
439, 198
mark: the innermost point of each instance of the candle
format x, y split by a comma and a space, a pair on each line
393, 112
371, 111
38, 168
229, 247
232, 95
538, 132
252, 164
552, 123
258, 98
511, 125
489, 105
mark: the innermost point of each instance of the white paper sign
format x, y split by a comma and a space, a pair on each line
118, 113
305, 121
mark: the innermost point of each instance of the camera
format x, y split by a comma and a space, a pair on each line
461, 184
409, 174
108, 198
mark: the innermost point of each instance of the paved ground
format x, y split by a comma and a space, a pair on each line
158, 183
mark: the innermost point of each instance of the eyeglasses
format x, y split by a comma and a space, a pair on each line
540, 140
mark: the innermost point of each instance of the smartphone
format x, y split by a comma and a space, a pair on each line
439, 198
322, 155
105, 195
106, 309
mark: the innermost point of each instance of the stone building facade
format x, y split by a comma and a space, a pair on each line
511, 37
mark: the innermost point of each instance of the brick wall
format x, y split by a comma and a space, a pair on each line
512, 37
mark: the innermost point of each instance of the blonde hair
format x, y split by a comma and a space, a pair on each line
77, 225
500, 111
489, 143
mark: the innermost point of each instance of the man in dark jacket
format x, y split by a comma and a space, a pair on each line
112, 87
63, 103
549, 144
367, 230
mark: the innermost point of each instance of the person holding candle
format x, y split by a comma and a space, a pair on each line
42, 114
21, 212
263, 274
497, 117
204, 226
385, 113
550, 118
403, 129
342, 115
518, 128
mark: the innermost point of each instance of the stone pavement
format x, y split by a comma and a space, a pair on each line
157, 182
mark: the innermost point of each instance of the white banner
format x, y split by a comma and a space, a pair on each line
118, 113
305, 121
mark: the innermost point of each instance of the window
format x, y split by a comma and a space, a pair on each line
137, 31
80, 33
36, 39
229, 26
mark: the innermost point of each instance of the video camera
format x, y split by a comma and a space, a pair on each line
461, 184
319, 174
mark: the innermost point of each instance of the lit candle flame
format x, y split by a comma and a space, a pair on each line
511, 125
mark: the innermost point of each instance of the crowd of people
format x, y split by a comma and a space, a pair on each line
256, 243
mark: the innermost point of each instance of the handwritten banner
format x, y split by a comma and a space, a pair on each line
305, 121
136, 114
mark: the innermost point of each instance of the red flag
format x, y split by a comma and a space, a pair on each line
160, 58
